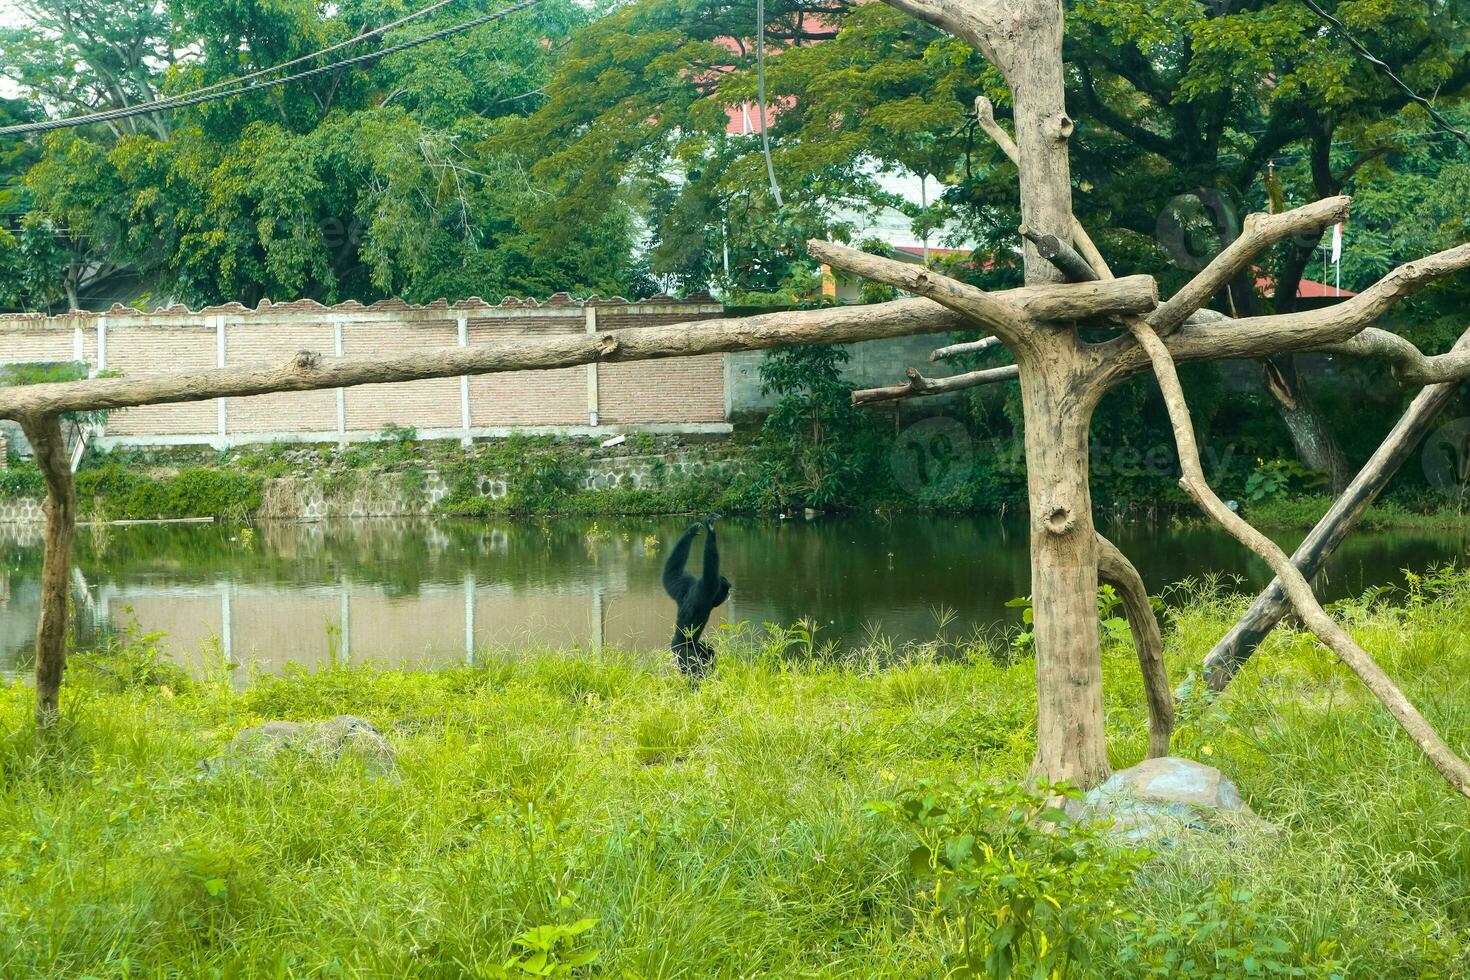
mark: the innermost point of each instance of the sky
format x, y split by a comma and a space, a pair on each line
9, 17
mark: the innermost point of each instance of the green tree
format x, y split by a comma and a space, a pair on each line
1183, 111
363, 182
33, 259
818, 449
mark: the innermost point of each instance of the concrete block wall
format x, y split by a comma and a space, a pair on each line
680, 394
870, 364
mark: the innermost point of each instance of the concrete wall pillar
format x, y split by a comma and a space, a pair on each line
339, 347
592, 405
463, 322
220, 403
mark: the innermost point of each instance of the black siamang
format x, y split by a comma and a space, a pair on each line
695, 596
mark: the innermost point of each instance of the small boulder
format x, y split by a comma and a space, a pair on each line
1163, 797
343, 736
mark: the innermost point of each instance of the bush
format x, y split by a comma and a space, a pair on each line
117, 493
1014, 883
22, 480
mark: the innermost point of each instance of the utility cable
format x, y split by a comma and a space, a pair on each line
198, 98
1383, 67
407, 18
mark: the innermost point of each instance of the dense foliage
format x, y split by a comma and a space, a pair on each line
359, 183
588, 149
1189, 115
815, 449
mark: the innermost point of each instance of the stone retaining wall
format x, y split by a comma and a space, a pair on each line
295, 498
384, 494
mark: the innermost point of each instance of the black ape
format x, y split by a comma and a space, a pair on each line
696, 597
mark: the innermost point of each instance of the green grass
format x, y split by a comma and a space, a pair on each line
717, 830
1305, 511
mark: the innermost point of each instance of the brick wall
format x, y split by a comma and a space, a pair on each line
265, 341
686, 393
675, 389
530, 398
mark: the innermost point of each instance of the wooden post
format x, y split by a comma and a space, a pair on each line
49, 446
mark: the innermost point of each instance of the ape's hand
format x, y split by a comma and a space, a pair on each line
696, 527
709, 520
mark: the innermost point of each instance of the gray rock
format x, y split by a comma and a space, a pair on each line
1164, 797
343, 736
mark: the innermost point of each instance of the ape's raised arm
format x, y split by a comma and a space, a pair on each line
676, 580
710, 581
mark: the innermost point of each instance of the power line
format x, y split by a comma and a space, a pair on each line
200, 97
1383, 67
317, 54
159, 105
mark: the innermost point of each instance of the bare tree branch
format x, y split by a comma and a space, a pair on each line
1261, 231
1210, 336
985, 116
1450, 765
1114, 568
1007, 321
917, 385
308, 371
1235, 648
1410, 365
968, 347
1009, 313
1072, 265
1083, 243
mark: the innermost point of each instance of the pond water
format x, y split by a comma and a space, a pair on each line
437, 591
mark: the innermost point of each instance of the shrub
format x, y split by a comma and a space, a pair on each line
1014, 882
120, 493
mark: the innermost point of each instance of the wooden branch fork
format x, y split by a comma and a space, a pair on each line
1147, 344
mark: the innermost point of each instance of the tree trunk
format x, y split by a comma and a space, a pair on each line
1312, 437
1058, 401
1070, 740
49, 446
1036, 79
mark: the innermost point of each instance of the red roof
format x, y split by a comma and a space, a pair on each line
745, 118
1306, 289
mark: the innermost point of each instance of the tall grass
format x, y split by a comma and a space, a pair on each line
718, 829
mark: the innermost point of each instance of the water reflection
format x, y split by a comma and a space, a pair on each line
438, 591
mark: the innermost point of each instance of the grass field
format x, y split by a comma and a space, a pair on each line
571, 814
